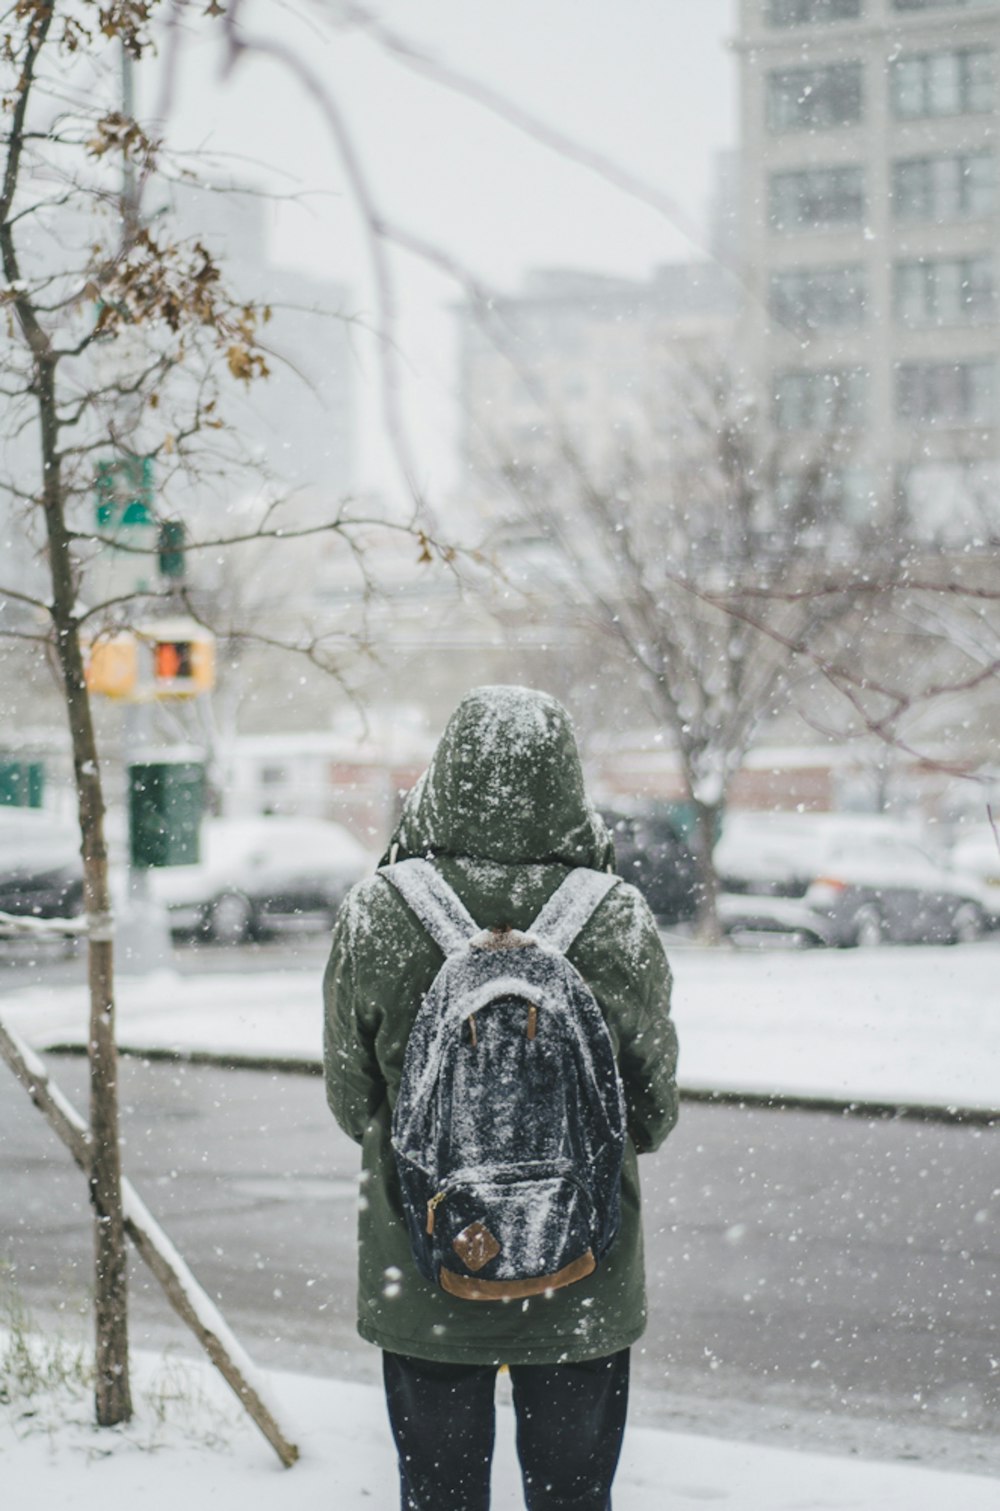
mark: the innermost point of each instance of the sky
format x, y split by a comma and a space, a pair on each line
649, 84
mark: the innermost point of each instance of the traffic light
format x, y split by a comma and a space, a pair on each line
163, 658
112, 666
170, 545
183, 661
172, 659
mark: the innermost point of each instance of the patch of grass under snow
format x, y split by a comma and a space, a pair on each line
47, 1384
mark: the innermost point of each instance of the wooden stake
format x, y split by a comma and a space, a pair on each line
185, 1295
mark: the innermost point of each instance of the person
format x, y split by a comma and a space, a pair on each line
503, 815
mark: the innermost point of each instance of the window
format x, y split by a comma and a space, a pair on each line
952, 501
943, 83
819, 298
801, 12
817, 197
820, 400
944, 188
938, 4
800, 98
945, 292
833, 491
946, 393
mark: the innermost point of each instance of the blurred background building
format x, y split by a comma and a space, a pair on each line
573, 369
300, 424
870, 229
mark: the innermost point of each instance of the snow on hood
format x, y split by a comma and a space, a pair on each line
505, 784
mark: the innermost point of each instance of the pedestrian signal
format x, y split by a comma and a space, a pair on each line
172, 658
183, 664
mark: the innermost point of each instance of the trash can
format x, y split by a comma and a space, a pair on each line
166, 799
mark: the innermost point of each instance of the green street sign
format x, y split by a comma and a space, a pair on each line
124, 492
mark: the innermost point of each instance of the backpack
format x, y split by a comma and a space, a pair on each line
509, 1124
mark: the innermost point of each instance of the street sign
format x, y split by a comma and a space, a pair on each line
124, 493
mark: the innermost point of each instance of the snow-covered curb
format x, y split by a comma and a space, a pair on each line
189, 1446
918, 1026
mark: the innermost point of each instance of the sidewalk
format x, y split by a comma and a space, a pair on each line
195, 1448
917, 1026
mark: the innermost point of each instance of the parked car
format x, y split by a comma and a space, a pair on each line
979, 856
844, 882
651, 854
41, 874
261, 875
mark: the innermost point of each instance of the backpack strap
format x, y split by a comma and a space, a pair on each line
572, 905
425, 891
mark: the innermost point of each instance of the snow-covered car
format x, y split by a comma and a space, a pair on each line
651, 854
261, 875
848, 881
41, 874
979, 856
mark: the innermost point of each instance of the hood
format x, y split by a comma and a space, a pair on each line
505, 784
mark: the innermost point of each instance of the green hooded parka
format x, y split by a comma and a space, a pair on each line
503, 814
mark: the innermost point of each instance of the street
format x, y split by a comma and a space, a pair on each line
814, 1280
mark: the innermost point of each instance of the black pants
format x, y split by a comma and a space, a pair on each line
570, 1423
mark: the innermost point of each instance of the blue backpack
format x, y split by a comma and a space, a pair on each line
509, 1124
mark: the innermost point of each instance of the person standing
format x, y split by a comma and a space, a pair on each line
502, 815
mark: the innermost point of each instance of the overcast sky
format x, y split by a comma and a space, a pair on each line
649, 83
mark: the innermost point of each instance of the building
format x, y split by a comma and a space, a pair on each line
299, 422
870, 225
573, 370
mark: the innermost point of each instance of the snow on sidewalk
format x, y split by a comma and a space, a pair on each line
918, 1025
189, 1445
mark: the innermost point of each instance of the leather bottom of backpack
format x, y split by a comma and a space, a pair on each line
471, 1288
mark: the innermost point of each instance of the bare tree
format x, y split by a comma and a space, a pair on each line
121, 344
697, 557
113, 336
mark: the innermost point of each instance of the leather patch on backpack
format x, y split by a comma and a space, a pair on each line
475, 1246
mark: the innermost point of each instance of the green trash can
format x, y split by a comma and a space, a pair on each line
22, 783
166, 799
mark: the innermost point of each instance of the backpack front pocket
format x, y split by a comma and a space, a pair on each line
520, 1230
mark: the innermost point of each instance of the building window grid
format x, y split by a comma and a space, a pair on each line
806, 12
944, 187
800, 99
821, 298
957, 81
918, 5
822, 399
946, 393
944, 291
817, 197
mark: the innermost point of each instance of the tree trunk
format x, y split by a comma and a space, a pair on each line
708, 928
113, 1396
113, 1401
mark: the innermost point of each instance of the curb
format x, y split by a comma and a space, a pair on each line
769, 1101
782, 1101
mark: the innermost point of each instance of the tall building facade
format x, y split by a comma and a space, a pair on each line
870, 199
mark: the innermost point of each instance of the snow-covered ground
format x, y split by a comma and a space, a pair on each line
190, 1445
917, 1025
913, 1025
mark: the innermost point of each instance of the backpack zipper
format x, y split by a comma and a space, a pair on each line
432, 1207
